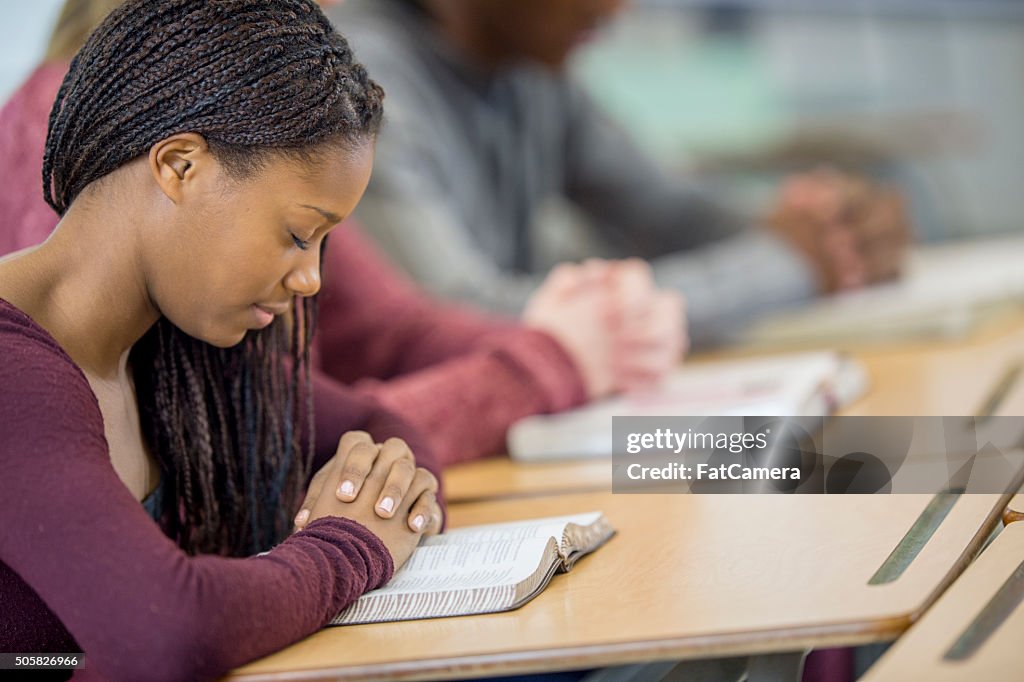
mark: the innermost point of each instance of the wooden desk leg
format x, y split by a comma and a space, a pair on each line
786, 667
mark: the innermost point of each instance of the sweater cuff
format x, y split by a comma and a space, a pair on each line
348, 535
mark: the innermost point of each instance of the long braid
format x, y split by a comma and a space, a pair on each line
231, 428
239, 501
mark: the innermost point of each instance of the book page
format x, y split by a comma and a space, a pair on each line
438, 568
542, 529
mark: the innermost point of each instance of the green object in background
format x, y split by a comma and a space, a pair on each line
681, 96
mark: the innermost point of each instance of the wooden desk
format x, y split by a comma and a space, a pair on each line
500, 477
951, 379
688, 576
922, 653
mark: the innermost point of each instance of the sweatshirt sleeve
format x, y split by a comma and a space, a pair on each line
138, 606
637, 205
730, 271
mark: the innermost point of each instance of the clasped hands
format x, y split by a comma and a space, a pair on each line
853, 231
622, 332
380, 486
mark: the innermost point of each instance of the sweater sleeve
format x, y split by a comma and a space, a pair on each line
466, 405
338, 409
137, 605
457, 375
375, 322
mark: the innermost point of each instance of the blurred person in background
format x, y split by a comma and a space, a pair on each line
460, 376
485, 127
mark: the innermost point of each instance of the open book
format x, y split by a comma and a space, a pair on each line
481, 569
784, 385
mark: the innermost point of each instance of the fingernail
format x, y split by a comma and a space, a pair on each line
302, 517
347, 488
387, 505
418, 521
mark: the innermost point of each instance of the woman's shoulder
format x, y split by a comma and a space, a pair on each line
36, 373
23, 338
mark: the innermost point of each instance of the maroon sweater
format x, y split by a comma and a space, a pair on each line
84, 568
459, 376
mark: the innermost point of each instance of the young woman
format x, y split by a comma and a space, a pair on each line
155, 349
459, 376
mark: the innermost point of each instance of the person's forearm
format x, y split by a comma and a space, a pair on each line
730, 284
82, 555
465, 407
638, 207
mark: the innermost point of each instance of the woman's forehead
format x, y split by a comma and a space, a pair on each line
330, 182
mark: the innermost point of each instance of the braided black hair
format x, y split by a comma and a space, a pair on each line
254, 78
251, 76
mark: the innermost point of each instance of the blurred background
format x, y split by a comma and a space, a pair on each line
24, 29
929, 93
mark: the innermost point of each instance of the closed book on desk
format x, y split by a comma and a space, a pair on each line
796, 384
481, 569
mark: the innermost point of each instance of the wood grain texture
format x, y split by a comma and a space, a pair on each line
687, 576
921, 653
500, 477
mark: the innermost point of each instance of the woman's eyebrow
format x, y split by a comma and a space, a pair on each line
326, 214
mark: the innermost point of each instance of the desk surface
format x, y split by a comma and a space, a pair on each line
921, 653
687, 576
499, 477
951, 379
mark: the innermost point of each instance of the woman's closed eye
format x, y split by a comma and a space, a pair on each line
299, 241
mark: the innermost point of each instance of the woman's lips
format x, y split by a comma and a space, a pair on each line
265, 314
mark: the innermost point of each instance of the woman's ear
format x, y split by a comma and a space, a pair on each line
177, 162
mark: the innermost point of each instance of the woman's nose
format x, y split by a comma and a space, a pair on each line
304, 278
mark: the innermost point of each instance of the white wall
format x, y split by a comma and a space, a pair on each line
24, 29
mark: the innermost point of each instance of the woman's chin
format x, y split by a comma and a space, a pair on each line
226, 343
220, 338
231, 341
